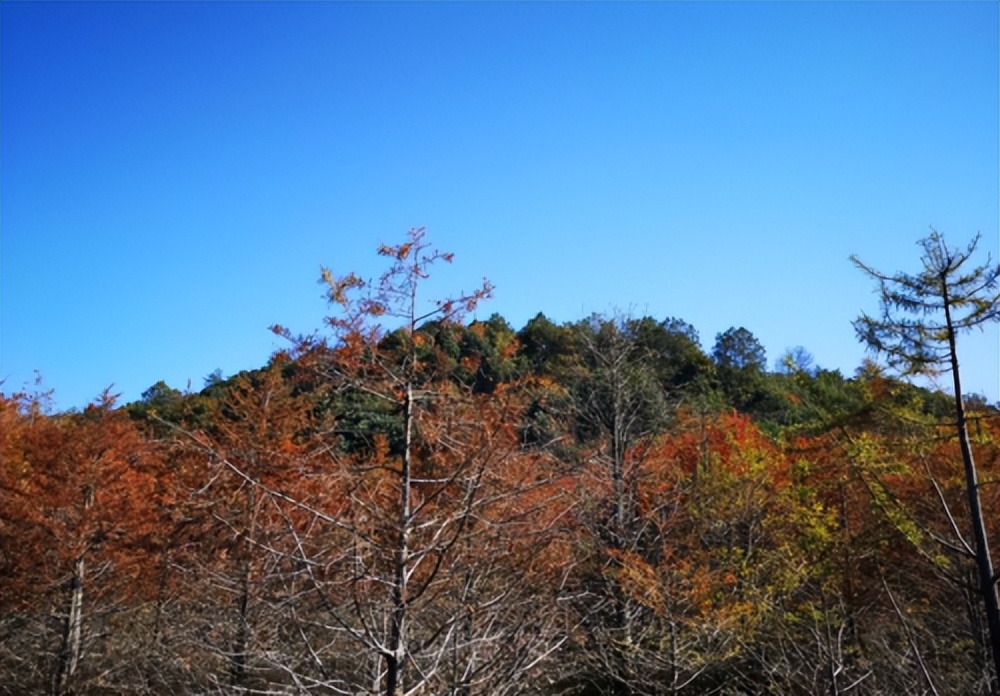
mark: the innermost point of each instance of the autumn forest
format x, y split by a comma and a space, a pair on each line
412, 502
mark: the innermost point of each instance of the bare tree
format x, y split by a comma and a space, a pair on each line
425, 585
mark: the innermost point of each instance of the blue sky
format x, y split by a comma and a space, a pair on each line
172, 175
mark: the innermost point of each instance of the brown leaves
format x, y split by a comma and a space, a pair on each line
338, 288
398, 252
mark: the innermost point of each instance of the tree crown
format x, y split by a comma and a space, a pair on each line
921, 314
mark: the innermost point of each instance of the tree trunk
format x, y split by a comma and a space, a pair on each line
238, 660
396, 653
72, 634
241, 642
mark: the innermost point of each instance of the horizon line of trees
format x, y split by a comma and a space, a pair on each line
736, 345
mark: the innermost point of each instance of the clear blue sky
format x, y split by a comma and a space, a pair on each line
173, 174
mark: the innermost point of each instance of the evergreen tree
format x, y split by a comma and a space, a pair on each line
920, 319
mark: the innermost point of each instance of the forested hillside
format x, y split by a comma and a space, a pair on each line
416, 503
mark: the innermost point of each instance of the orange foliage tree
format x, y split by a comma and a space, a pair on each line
723, 544
246, 487
79, 523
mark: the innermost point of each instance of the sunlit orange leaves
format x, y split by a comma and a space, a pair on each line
74, 484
